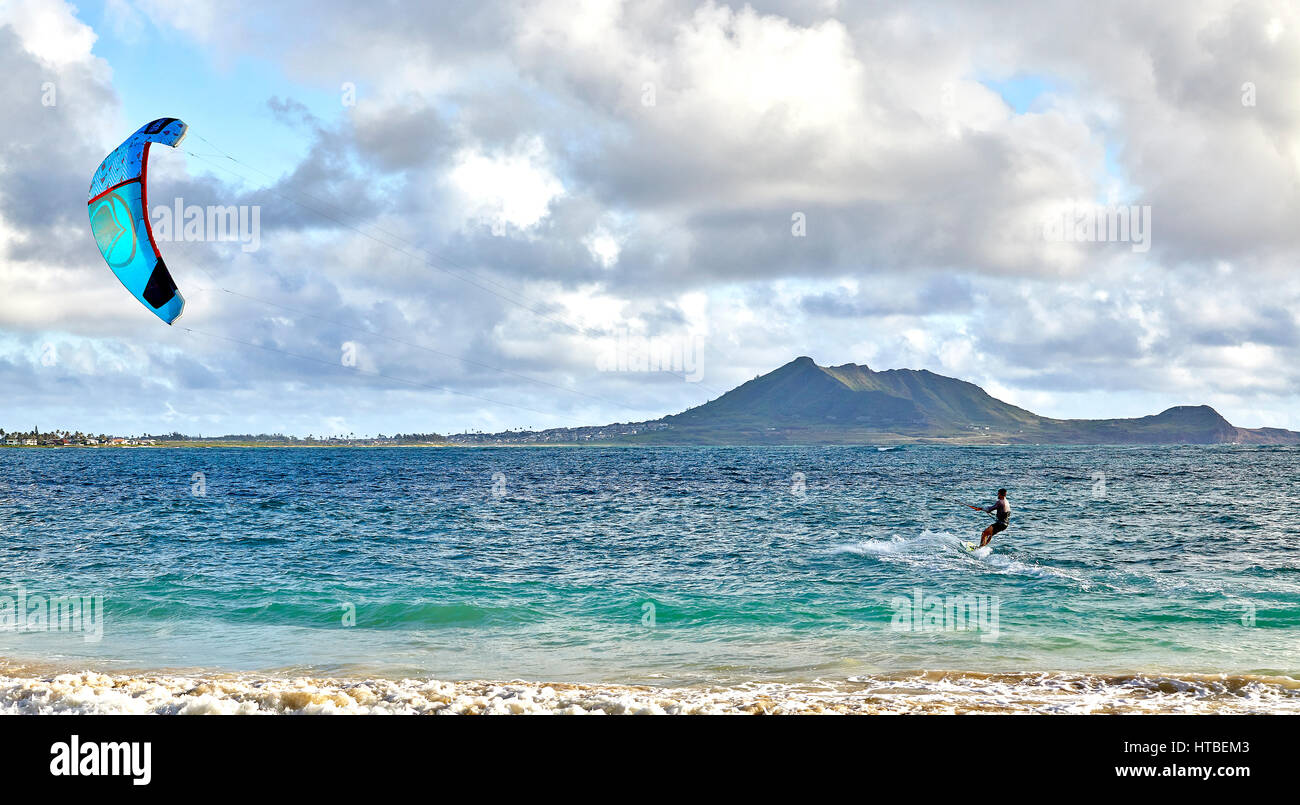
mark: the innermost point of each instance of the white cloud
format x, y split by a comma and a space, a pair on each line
603, 246
924, 193
49, 30
514, 188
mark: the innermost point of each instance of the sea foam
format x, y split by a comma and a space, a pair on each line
918, 692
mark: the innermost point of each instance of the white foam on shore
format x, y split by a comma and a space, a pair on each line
922, 692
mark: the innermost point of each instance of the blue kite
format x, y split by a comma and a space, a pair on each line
119, 218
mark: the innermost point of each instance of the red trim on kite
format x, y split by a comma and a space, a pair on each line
144, 197
114, 187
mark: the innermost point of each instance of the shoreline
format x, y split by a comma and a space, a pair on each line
883, 442
28, 690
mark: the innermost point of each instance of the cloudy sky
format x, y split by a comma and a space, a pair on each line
481, 215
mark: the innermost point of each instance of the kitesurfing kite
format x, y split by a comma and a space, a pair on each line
119, 218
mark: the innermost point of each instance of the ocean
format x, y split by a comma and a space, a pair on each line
649, 579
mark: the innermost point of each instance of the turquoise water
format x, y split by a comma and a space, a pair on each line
666, 565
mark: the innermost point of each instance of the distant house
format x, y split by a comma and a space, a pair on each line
117, 440
11, 441
29, 442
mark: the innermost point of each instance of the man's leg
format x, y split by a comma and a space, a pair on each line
990, 531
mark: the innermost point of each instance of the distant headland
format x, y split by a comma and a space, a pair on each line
798, 403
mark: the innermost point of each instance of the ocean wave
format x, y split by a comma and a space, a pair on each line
925, 543
940, 692
942, 549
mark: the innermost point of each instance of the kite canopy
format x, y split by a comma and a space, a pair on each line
119, 219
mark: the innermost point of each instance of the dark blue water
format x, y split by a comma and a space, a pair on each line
657, 564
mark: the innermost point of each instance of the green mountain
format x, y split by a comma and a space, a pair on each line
803, 395
803, 403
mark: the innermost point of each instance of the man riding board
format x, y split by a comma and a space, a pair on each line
1002, 510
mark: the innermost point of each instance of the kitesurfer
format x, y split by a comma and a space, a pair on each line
1002, 511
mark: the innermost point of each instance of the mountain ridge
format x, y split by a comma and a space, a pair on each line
801, 402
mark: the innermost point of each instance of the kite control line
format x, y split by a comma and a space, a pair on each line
978, 509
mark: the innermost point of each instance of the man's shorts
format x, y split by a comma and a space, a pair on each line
1000, 525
